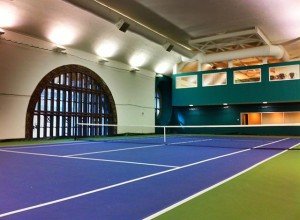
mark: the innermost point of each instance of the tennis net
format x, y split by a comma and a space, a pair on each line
193, 135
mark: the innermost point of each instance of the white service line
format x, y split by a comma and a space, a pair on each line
120, 184
186, 142
48, 145
135, 148
122, 161
120, 149
90, 159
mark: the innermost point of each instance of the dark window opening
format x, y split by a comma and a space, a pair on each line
157, 103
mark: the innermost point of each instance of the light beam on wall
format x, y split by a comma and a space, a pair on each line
137, 60
161, 68
62, 35
106, 49
8, 16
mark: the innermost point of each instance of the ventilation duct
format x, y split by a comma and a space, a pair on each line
268, 50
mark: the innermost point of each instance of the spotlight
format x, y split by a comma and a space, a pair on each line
168, 46
122, 25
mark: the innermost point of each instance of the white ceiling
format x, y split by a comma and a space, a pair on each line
152, 24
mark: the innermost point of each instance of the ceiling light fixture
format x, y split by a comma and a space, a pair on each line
103, 60
122, 25
2, 31
168, 46
134, 69
60, 49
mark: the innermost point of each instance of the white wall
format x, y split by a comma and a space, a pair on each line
23, 66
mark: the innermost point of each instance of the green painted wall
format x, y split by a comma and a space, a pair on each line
208, 109
230, 115
264, 91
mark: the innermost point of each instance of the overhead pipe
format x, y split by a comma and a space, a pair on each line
268, 50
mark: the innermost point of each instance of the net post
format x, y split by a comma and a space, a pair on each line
165, 138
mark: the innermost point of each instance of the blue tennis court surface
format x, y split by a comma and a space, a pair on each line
121, 179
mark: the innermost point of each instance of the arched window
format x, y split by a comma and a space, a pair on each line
66, 96
157, 103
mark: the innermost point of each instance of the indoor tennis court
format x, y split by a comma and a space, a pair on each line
124, 178
161, 109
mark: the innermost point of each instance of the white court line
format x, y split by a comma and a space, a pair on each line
135, 148
90, 159
122, 161
123, 183
47, 145
74, 143
213, 186
120, 149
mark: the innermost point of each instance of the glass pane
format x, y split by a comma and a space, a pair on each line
67, 79
35, 123
278, 73
74, 81
49, 105
36, 106
214, 79
62, 79
186, 82
247, 76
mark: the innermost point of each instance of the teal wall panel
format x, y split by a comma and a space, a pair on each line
230, 115
246, 93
